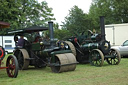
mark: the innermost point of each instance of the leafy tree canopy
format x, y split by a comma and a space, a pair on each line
24, 13
115, 11
77, 21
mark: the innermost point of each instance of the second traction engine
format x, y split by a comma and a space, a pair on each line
94, 48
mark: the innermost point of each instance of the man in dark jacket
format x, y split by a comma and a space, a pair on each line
21, 41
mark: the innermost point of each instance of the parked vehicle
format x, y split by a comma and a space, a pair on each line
123, 49
7, 42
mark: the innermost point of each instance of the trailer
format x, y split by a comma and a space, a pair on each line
7, 42
116, 33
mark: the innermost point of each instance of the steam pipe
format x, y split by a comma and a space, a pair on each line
102, 26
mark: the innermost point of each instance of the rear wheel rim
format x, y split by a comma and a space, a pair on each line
12, 66
116, 57
22, 56
96, 58
20, 60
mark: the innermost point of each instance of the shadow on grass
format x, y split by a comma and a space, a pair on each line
32, 68
105, 64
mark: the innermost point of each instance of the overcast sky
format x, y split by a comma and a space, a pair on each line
61, 7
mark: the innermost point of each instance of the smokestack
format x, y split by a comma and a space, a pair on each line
52, 42
51, 30
102, 27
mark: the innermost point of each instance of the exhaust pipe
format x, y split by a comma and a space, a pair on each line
102, 27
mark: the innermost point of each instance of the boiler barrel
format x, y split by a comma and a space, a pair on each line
90, 46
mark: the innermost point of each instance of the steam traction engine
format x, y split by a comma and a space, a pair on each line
94, 48
43, 53
11, 63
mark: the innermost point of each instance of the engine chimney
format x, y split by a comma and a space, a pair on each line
102, 27
51, 30
50, 23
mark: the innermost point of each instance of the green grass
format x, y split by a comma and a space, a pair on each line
83, 75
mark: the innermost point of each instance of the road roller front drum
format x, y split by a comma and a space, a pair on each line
64, 62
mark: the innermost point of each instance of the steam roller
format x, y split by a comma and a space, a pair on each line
45, 52
66, 62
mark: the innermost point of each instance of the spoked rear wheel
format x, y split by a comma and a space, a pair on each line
96, 58
115, 60
12, 66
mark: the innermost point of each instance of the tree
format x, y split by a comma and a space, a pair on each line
24, 13
62, 34
36, 13
120, 11
9, 12
76, 21
115, 11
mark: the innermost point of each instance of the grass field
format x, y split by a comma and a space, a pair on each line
83, 75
